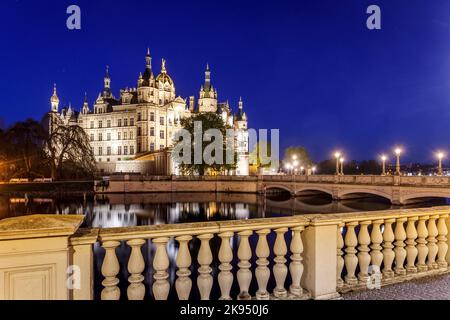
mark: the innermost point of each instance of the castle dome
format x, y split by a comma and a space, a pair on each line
163, 76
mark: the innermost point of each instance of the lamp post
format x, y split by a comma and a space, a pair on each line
301, 170
383, 159
295, 164
398, 152
337, 155
313, 170
341, 160
440, 156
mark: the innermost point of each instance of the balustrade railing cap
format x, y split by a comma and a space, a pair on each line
39, 226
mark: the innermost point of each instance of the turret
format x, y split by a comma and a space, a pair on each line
107, 81
85, 105
54, 100
208, 95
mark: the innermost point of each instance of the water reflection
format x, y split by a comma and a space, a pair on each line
122, 210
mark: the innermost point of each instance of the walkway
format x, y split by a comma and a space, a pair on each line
430, 288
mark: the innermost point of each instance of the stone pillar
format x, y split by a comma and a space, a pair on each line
82, 256
35, 257
320, 260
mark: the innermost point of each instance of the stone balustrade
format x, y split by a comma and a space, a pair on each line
309, 256
393, 246
284, 247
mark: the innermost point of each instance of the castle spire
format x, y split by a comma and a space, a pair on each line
148, 59
241, 103
54, 100
107, 79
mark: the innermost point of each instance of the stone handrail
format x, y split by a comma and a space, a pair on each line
110, 239
324, 254
391, 246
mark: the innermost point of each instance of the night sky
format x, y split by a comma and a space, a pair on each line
310, 68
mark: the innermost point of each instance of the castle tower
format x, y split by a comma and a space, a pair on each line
54, 100
208, 96
241, 140
107, 89
85, 104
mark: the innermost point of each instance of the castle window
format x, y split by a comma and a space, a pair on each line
161, 134
108, 136
100, 137
125, 122
132, 122
92, 124
131, 135
125, 136
119, 135
125, 150
132, 150
100, 124
161, 147
152, 132
100, 151
119, 150
139, 116
152, 146
139, 131
152, 116
119, 122
108, 124
161, 121
108, 151
92, 137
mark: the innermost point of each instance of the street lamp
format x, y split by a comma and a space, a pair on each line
301, 170
397, 152
287, 167
296, 163
337, 155
383, 158
341, 160
314, 169
440, 156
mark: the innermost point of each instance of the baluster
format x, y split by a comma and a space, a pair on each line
280, 269
225, 277
244, 275
442, 242
205, 258
388, 253
400, 251
432, 246
363, 255
376, 236
411, 249
110, 269
340, 261
422, 249
161, 263
183, 284
262, 271
136, 266
350, 259
296, 266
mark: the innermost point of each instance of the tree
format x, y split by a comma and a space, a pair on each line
302, 156
215, 148
23, 144
68, 149
255, 155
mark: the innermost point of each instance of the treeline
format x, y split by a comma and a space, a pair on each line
29, 151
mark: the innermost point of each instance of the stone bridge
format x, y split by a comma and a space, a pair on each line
398, 190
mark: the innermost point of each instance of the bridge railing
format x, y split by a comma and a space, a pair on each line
393, 246
316, 256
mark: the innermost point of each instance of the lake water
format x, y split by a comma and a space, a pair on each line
121, 210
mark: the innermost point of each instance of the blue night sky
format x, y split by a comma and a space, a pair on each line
310, 68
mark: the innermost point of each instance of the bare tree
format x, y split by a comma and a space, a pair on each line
67, 148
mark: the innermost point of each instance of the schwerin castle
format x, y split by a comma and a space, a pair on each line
134, 133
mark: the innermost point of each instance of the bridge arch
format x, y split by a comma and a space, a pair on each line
347, 192
424, 194
314, 189
279, 187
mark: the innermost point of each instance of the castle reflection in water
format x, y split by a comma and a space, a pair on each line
123, 210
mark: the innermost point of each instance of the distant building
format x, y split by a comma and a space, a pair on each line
133, 133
